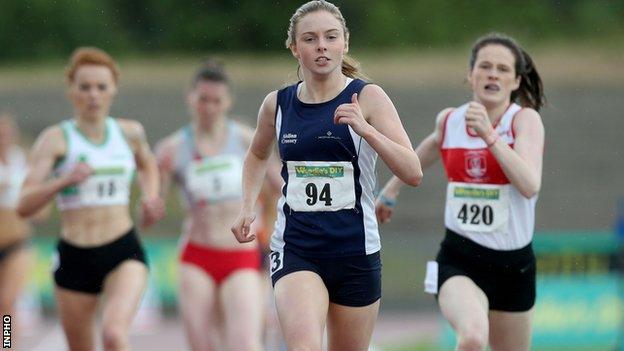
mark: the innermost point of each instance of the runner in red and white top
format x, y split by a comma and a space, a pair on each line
481, 202
491, 149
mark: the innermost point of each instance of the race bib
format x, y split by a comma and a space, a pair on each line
216, 178
320, 186
107, 185
480, 208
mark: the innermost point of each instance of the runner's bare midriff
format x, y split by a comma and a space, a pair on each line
95, 226
210, 225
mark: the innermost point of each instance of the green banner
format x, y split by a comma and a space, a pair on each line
319, 171
474, 193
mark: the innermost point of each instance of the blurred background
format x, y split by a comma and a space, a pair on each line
418, 52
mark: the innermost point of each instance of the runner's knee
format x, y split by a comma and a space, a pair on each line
474, 339
114, 337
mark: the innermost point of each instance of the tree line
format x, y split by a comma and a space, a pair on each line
53, 28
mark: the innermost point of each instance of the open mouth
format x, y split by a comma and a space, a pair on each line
492, 88
321, 60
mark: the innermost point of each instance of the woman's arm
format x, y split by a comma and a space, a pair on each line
152, 205
374, 117
37, 189
165, 159
428, 152
255, 167
273, 182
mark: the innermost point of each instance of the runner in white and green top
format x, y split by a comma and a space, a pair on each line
88, 162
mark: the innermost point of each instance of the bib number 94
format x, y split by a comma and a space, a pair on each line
320, 186
314, 196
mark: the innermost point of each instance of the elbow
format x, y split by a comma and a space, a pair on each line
528, 194
416, 175
415, 179
530, 191
24, 208
23, 211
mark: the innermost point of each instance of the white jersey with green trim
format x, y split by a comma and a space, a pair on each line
112, 162
12, 174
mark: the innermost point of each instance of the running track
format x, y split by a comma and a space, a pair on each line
167, 334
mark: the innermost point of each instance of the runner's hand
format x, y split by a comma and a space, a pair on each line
78, 174
384, 208
242, 227
478, 120
351, 114
152, 210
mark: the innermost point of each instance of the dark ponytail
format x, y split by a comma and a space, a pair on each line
210, 70
530, 93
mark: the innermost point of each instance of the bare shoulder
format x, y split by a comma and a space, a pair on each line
268, 109
130, 126
246, 131
439, 124
133, 130
166, 150
527, 118
52, 133
169, 144
271, 97
244, 127
375, 103
269, 104
51, 141
372, 93
528, 114
441, 117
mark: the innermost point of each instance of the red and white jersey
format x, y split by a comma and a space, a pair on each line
481, 203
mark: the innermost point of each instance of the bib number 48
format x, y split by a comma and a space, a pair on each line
476, 214
314, 196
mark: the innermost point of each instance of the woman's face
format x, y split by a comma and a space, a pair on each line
209, 101
319, 43
92, 91
493, 77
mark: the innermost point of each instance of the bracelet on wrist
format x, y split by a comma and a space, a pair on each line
386, 201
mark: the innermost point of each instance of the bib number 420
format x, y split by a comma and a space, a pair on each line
476, 214
314, 196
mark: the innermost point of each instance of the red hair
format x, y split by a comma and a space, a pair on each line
90, 56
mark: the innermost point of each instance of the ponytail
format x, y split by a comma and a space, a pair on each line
531, 91
351, 68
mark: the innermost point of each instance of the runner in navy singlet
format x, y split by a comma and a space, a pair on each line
329, 127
